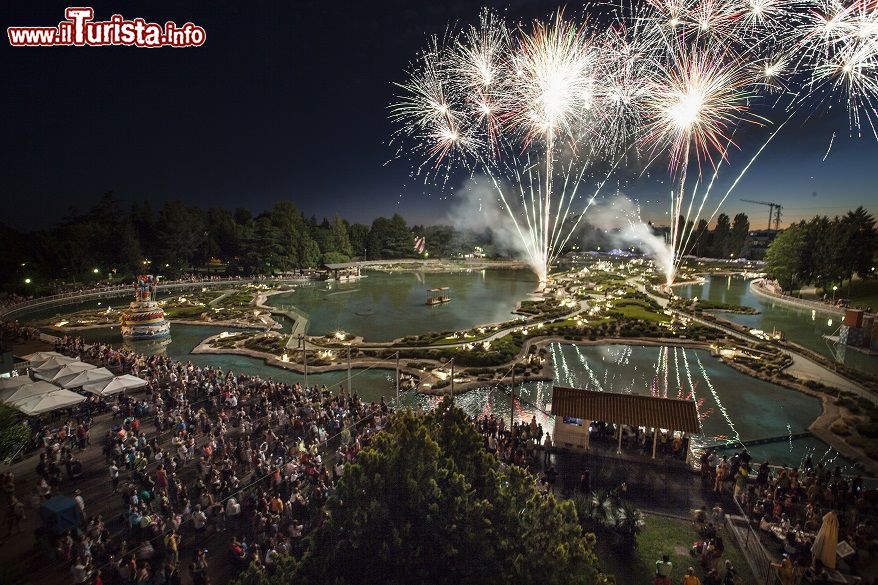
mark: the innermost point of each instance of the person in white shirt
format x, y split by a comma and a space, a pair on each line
233, 509
80, 503
199, 519
81, 571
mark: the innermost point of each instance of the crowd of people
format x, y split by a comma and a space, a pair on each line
200, 452
789, 504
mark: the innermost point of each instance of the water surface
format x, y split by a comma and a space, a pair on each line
800, 325
385, 306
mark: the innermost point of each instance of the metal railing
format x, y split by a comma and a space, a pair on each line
119, 290
754, 551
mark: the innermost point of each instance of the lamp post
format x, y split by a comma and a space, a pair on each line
397, 379
834, 288
452, 380
512, 400
304, 346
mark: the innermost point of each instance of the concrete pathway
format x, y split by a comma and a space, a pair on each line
802, 367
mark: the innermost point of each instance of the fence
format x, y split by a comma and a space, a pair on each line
121, 290
750, 543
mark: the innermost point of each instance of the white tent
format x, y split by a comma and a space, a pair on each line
114, 386
48, 402
64, 372
28, 391
53, 363
14, 382
84, 377
39, 357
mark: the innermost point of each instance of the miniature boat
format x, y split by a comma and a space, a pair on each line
438, 300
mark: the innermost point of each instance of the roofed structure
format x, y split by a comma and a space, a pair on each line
627, 409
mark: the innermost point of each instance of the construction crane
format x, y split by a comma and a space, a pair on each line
774, 212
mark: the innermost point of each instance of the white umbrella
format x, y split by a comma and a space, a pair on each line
14, 382
49, 402
84, 377
826, 541
28, 391
40, 357
53, 363
64, 372
114, 386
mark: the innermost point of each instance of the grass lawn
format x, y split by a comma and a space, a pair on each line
634, 310
864, 293
663, 535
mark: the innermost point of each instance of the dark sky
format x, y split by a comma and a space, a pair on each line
288, 100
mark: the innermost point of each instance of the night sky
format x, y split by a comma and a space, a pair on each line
288, 100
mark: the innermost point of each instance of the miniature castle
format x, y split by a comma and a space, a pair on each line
144, 318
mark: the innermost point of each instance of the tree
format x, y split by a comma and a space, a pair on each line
293, 231
701, 238
179, 234
721, 237
265, 248
738, 235
309, 254
821, 252
358, 235
377, 236
225, 233
783, 259
341, 243
424, 503
857, 234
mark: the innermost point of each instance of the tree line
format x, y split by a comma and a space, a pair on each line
824, 252
111, 240
727, 239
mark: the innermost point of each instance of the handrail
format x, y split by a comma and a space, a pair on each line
754, 551
121, 289
10, 459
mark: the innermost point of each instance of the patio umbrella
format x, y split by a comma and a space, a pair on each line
28, 391
53, 363
84, 377
39, 357
63, 372
827, 540
14, 382
114, 386
49, 402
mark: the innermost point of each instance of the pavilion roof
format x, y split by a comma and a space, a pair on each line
626, 409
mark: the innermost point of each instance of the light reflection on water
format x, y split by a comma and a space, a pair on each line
793, 321
730, 404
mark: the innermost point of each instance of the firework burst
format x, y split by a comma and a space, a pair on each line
546, 108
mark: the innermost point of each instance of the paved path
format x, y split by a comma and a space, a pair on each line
802, 367
757, 289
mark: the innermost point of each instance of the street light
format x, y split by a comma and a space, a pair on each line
96, 271
27, 280
834, 288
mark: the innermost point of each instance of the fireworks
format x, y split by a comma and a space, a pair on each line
547, 108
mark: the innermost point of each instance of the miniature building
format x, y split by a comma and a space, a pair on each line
858, 329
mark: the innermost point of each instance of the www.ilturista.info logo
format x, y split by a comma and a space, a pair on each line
79, 30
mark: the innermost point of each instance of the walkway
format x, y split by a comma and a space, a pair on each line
802, 367
125, 290
758, 289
